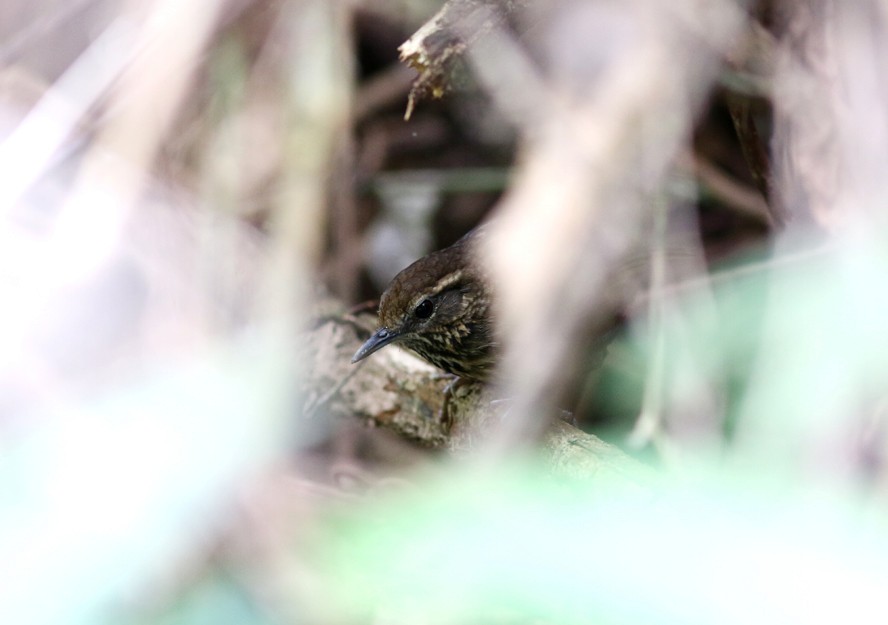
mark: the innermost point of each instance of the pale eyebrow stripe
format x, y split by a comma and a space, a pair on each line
448, 280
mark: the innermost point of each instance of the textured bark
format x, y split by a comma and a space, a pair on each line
440, 42
396, 390
391, 389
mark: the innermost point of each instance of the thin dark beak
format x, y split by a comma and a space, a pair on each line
380, 339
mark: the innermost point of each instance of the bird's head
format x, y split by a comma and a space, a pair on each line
422, 306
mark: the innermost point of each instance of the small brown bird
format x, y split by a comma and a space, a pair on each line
440, 308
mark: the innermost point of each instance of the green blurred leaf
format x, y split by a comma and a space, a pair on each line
513, 546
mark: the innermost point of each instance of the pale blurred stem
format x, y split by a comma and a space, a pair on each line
318, 81
147, 97
317, 103
228, 71
346, 265
223, 191
648, 427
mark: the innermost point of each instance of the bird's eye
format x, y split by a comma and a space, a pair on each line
424, 309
